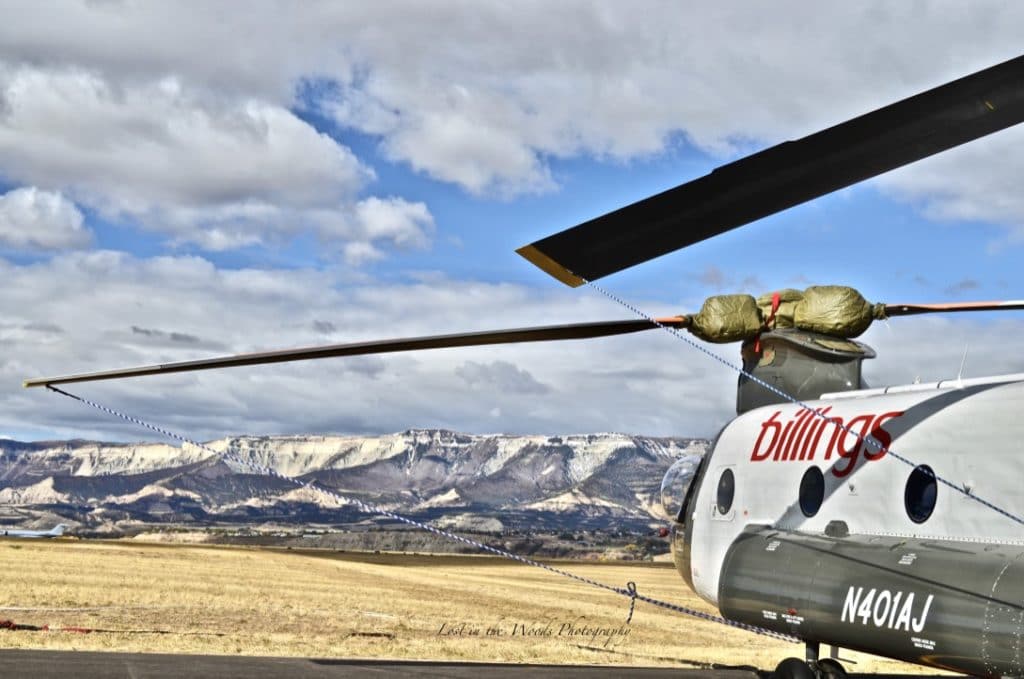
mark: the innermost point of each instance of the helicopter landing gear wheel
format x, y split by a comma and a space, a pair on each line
829, 668
793, 668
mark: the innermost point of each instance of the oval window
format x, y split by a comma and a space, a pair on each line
920, 494
726, 491
812, 491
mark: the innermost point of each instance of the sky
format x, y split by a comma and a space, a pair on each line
184, 180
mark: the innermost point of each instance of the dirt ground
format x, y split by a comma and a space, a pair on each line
138, 597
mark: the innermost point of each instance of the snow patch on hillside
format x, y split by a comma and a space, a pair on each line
150, 492
589, 453
103, 459
41, 493
507, 448
450, 498
571, 501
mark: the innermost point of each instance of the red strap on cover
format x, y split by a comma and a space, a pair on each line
776, 300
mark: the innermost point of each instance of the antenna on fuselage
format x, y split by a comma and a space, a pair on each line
963, 361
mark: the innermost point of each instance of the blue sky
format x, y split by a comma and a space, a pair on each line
348, 173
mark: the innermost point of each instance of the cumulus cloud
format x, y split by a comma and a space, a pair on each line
169, 157
604, 80
471, 151
579, 78
500, 376
36, 220
930, 348
117, 310
399, 223
120, 109
175, 159
975, 183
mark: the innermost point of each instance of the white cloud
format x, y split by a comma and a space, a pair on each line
253, 53
164, 156
35, 220
500, 376
930, 348
467, 149
604, 79
96, 311
175, 160
361, 252
506, 89
360, 229
108, 309
974, 182
170, 118
158, 143
394, 219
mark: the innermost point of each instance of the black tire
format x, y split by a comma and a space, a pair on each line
793, 668
831, 669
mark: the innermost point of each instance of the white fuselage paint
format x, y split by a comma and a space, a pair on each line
970, 438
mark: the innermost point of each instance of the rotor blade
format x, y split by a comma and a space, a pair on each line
915, 309
786, 175
510, 336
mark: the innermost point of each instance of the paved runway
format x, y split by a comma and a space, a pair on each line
64, 664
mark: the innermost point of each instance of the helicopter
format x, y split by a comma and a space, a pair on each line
884, 520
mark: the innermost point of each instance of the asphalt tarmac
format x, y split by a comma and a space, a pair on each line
64, 664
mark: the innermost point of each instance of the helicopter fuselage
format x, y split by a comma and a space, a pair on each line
808, 522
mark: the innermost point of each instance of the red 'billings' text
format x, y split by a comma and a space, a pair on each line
809, 433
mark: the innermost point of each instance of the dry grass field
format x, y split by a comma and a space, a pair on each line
202, 599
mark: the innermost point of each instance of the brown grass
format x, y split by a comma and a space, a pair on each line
201, 599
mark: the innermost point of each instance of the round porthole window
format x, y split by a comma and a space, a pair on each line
812, 491
726, 491
920, 494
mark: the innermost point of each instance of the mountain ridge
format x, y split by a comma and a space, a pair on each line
499, 480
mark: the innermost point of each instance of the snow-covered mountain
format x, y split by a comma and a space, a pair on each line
580, 481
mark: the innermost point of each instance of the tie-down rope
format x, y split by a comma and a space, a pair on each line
867, 440
628, 591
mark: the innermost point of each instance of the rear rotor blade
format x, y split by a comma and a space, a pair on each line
786, 175
915, 309
509, 336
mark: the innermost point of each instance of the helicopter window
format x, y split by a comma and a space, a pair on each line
812, 491
920, 494
678, 484
726, 491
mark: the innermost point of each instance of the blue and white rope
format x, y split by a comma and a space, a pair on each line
775, 390
628, 591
